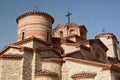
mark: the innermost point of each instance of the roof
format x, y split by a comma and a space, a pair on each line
35, 13
50, 48
15, 47
31, 39
91, 41
75, 25
68, 25
27, 48
38, 40
106, 35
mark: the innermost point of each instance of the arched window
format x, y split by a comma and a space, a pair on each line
61, 34
71, 32
23, 35
97, 56
48, 36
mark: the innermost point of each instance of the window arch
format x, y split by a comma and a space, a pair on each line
98, 54
47, 36
61, 34
71, 31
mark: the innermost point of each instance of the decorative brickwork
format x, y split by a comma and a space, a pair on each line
46, 73
12, 56
83, 75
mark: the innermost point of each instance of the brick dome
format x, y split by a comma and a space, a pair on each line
37, 24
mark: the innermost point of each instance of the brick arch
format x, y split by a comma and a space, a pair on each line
72, 31
61, 34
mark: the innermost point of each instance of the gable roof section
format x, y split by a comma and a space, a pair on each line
34, 39
92, 41
59, 26
79, 45
8, 47
68, 25
47, 49
20, 48
31, 39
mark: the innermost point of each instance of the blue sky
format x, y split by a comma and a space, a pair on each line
94, 14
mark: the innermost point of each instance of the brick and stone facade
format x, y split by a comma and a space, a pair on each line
62, 53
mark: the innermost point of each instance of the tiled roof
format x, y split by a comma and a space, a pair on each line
35, 13
106, 35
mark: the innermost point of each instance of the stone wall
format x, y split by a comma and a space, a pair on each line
109, 43
45, 78
70, 68
27, 66
41, 55
11, 69
52, 65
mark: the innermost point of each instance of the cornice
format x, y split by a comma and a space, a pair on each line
12, 56
56, 60
84, 75
35, 13
46, 73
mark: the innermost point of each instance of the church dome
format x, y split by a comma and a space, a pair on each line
35, 23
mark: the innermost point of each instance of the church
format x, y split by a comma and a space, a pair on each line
62, 53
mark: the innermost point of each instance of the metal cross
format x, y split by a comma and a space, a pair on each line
68, 15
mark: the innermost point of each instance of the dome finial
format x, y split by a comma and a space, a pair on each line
35, 9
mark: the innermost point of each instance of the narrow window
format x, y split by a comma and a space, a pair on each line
48, 36
81, 33
23, 35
